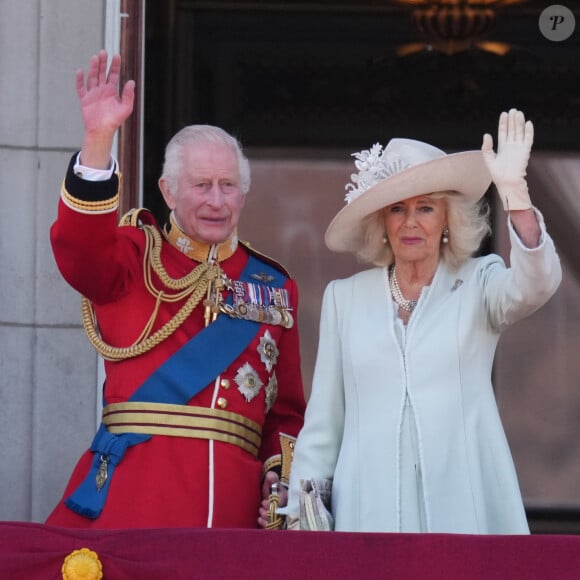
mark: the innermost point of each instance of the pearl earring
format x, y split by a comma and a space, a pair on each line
385, 239
445, 238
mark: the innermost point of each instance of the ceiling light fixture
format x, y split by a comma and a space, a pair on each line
452, 26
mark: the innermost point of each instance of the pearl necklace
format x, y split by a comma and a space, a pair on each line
400, 300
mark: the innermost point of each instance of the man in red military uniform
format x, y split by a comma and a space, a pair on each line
203, 394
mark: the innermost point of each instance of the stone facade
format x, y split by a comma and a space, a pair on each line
48, 371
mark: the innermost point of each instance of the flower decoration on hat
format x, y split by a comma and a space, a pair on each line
248, 381
374, 165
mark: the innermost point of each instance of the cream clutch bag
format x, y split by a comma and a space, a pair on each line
315, 512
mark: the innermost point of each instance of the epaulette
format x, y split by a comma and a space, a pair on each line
265, 258
137, 217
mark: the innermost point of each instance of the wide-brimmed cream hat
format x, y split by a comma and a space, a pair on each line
405, 168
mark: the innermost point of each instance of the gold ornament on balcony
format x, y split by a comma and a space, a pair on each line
452, 26
83, 564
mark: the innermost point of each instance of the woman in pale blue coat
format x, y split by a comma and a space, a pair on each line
402, 416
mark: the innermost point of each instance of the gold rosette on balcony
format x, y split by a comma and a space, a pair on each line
83, 564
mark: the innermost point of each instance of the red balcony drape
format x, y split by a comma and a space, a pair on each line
36, 552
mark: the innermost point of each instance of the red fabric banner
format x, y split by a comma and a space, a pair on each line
36, 552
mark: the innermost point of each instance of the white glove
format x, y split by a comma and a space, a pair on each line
508, 167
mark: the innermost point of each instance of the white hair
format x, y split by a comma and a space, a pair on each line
173, 164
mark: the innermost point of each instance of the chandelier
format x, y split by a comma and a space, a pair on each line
452, 26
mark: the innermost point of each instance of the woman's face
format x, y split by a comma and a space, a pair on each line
414, 227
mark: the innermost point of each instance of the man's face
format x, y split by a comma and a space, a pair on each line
208, 200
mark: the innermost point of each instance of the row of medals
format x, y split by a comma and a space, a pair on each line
276, 315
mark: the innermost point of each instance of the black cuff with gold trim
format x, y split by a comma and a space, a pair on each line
90, 195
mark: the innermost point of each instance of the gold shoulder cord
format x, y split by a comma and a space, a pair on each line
195, 284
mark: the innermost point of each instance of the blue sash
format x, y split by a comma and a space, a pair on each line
208, 353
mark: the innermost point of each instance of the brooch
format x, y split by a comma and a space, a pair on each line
262, 277
268, 351
271, 392
248, 381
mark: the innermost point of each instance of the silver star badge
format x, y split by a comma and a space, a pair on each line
248, 381
268, 351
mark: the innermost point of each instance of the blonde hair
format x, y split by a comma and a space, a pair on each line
468, 224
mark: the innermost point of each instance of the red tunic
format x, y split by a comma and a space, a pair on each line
169, 481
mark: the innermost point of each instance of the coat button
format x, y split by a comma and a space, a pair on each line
225, 383
222, 402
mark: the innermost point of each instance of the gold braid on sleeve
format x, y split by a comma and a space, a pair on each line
194, 285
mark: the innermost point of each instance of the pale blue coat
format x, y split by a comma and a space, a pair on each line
353, 419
